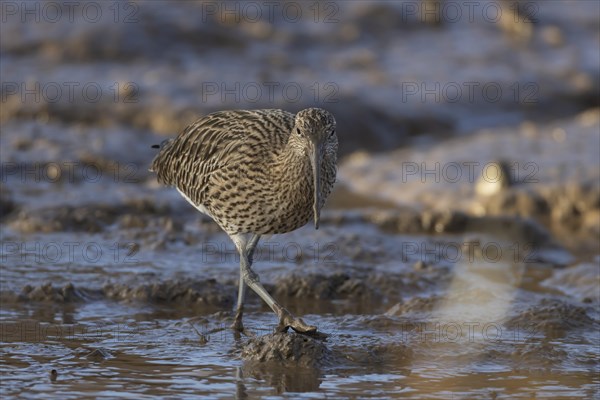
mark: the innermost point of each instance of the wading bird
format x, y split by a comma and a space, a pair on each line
254, 172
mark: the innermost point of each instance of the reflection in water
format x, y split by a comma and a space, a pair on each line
285, 378
240, 388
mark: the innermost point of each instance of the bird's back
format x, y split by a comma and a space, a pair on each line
211, 141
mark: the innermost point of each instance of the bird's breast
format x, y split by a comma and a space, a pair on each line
266, 198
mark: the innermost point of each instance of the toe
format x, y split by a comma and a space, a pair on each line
300, 326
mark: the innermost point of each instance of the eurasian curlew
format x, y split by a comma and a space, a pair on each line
254, 173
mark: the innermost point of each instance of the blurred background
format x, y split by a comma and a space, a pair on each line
462, 125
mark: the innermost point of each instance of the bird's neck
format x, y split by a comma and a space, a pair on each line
293, 162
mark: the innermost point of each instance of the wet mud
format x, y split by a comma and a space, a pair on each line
384, 306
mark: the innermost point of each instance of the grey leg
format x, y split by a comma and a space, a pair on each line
286, 319
239, 311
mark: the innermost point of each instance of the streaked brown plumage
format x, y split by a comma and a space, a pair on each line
254, 172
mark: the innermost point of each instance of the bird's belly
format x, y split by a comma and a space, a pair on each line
270, 215
198, 207
285, 218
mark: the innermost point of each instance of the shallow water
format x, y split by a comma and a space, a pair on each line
150, 354
459, 328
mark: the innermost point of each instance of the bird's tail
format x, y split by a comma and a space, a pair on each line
162, 146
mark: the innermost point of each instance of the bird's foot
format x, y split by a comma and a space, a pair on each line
287, 320
237, 322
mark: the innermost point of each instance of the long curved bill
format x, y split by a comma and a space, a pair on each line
316, 164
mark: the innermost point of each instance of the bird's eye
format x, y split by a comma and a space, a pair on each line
332, 133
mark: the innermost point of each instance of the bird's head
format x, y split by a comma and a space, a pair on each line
316, 130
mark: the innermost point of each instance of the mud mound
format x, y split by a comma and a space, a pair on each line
539, 353
394, 286
322, 287
46, 293
580, 281
412, 221
90, 218
204, 293
375, 354
298, 349
551, 316
572, 207
414, 305
200, 293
